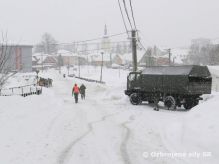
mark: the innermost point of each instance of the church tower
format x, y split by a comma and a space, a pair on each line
106, 41
105, 31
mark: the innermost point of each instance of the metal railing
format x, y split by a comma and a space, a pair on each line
24, 90
90, 80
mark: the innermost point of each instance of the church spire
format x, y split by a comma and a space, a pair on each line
105, 30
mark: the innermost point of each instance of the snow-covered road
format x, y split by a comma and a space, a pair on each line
103, 129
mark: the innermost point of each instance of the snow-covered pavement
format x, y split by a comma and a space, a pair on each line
103, 129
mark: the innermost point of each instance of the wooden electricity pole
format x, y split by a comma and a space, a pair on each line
169, 51
134, 51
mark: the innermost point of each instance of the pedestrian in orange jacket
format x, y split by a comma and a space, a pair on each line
75, 91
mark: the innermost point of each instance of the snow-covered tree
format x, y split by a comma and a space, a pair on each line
48, 44
203, 54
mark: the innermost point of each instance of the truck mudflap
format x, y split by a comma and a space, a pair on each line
199, 98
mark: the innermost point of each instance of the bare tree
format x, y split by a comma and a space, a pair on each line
5, 56
48, 44
204, 55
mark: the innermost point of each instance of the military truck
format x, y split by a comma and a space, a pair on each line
173, 85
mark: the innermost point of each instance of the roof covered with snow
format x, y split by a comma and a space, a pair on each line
67, 53
128, 56
177, 70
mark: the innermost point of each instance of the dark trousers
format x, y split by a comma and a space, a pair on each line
76, 97
82, 96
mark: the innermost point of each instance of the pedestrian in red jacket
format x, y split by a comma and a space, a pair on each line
75, 91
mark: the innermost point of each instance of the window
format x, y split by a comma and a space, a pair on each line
131, 77
137, 76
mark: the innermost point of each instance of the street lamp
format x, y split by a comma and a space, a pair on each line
101, 70
37, 72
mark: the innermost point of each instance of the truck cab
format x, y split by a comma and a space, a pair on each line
133, 82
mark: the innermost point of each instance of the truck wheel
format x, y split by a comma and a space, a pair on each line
190, 104
150, 102
170, 102
196, 102
135, 99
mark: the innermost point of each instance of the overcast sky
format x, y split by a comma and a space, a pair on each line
162, 22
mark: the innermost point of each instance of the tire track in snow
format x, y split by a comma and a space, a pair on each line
64, 155
123, 146
66, 152
52, 123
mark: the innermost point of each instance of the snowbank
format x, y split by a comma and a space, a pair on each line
104, 128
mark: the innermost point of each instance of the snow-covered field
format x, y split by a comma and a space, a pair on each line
105, 128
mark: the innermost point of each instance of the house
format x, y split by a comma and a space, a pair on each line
19, 57
70, 58
50, 60
179, 55
118, 60
43, 61
98, 58
162, 61
35, 60
160, 57
147, 61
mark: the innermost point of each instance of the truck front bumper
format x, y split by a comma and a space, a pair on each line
127, 92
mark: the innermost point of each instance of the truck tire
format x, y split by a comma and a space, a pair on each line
190, 103
187, 106
135, 99
150, 101
170, 102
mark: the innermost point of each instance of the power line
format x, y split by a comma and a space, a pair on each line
127, 14
142, 45
139, 41
88, 40
109, 36
137, 36
93, 43
98, 49
81, 44
130, 2
123, 17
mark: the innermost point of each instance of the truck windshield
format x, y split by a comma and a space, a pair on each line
134, 76
131, 77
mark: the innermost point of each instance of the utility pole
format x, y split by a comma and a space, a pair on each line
42, 61
174, 60
169, 51
101, 70
134, 50
59, 63
87, 64
79, 64
150, 57
68, 65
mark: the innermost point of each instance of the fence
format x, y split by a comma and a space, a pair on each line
90, 80
24, 91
